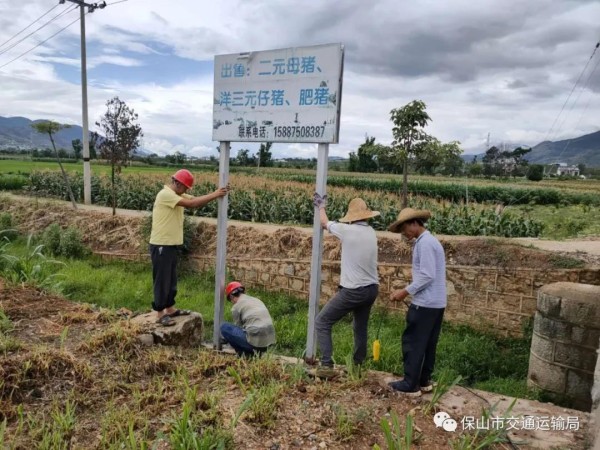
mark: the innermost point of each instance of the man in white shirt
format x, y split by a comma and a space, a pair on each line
359, 280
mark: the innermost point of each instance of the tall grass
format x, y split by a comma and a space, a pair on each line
500, 363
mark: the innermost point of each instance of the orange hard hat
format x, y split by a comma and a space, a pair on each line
185, 177
234, 287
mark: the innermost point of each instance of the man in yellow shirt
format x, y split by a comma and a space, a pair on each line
167, 236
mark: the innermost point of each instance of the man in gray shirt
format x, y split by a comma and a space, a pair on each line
359, 281
426, 311
253, 331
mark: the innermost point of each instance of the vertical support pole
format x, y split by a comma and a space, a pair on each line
317, 255
87, 183
221, 245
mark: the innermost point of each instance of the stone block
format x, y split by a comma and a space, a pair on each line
547, 376
585, 336
187, 331
549, 305
575, 356
302, 270
542, 348
553, 329
265, 278
528, 304
580, 313
279, 281
503, 302
287, 269
589, 276
251, 275
386, 270
579, 388
297, 284
511, 322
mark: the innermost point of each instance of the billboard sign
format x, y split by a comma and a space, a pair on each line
289, 95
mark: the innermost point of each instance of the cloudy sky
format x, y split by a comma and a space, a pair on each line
503, 67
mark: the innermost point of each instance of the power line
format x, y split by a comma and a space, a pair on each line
586, 106
571, 93
58, 16
43, 42
14, 36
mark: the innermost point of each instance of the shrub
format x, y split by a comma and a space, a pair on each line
67, 243
7, 227
535, 172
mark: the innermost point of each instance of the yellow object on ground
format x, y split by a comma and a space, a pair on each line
376, 350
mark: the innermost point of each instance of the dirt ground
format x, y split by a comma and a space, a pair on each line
97, 375
127, 233
64, 352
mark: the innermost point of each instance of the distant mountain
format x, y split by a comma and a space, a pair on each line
584, 149
17, 132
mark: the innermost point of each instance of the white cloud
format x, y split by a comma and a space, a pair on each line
499, 67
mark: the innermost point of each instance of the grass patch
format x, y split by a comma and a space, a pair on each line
477, 356
562, 221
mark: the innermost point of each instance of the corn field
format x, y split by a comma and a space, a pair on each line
456, 192
257, 199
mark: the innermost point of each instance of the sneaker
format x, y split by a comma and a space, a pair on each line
402, 388
428, 387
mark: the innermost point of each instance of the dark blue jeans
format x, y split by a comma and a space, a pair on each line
419, 342
236, 337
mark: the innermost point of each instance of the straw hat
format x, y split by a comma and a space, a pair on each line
358, 210
408, 214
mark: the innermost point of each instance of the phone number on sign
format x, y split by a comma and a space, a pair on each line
302, 132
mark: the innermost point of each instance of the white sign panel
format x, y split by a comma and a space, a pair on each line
288, 95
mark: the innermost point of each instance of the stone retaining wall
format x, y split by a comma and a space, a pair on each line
492, 299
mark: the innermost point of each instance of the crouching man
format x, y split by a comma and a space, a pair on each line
253, 331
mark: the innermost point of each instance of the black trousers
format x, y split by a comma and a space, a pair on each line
164, 275
419, 341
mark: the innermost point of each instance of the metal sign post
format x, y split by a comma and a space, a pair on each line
317, 255
221, 245
290, 95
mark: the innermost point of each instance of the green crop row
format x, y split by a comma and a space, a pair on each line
293, 205
455, 192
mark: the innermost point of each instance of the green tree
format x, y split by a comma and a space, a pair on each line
93, 144
77, 148
364, 161
409, 137
51, 128
244, 159
264, 155
535, 172
121, 138
435, 156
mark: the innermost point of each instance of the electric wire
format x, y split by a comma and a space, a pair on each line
41, 43
58, 16
15, 35
571, 93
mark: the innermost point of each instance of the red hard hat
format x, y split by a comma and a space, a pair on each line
232, 287
185, 177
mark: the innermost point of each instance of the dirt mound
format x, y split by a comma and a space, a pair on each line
98, 230
124, 234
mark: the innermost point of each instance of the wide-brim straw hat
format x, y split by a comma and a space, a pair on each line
408, 214
358, 210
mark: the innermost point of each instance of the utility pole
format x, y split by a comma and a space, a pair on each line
87, 173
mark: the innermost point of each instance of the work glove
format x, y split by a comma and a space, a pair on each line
320, 201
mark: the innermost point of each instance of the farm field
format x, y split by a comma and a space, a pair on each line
556, 209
